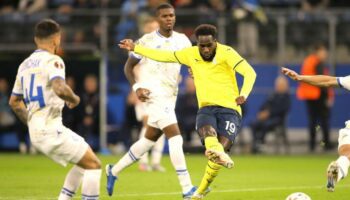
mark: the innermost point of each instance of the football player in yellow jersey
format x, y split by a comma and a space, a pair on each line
219, 117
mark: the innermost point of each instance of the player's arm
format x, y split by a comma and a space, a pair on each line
63, 91
129, 69
154, 54
142, 93
249, 75
16, 101
17, 105
316, 80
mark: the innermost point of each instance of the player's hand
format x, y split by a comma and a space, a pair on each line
292, 74
74, 104
127, 44
240, 100
143, 94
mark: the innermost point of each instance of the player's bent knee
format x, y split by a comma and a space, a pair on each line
344, 150
226, 143
90, 160
207, 131
90, 163
96, 164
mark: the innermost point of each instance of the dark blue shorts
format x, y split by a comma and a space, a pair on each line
226, 122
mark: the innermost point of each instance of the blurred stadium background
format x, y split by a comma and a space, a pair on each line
269, 33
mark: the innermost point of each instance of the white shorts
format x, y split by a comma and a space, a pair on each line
59, 143
161, 112
344, 137
140, 110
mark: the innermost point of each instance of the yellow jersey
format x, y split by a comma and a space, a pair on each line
215, 80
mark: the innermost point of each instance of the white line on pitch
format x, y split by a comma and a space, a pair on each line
177, 193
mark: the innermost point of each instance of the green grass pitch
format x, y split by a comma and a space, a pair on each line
253, 177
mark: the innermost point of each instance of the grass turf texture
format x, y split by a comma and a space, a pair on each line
253, 177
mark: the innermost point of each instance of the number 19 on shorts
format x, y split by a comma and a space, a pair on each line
230, 127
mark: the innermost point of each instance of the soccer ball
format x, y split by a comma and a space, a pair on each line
298, 196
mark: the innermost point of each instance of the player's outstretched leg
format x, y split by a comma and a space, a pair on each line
338, 169
71, 183
211, 171
90, 188
135, 152
215, 152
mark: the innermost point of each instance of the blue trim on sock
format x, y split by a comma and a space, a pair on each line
68, 190
181, 172
133, 157
66, 193
89, 197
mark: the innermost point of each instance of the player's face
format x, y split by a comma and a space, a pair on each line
207, 47
166, 19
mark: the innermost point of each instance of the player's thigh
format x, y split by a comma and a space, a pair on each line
62, 145
229, 123
167, 122
89, 160
171, 130
206, 122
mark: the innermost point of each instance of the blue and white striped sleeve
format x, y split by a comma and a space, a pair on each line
344, 82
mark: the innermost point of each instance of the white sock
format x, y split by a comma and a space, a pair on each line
157, 150
71, 183
90, 189
343, 163
178, 159
135, 152
144, 157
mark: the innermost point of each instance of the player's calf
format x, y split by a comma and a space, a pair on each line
91, 181
71, 183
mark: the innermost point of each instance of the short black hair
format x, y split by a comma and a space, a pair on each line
163, 6
206, 29
46, 28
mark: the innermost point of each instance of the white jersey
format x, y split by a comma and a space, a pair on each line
161, 78
344, 82
33, 83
